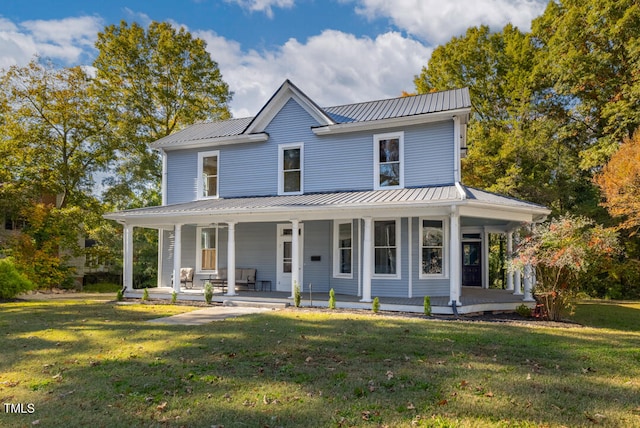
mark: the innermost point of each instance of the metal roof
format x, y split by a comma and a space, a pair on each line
412, 105
206, 130
437, 195
401, 107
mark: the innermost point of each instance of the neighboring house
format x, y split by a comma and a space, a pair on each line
363, 198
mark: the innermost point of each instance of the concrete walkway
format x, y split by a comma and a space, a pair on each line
207, 315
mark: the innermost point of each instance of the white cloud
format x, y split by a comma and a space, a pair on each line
332, 68
436, 21
262, 5
65, 40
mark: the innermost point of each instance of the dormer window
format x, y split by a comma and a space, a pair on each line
290, 161
388, 161
208, 168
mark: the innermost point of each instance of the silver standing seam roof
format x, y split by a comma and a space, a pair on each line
436, 195
412, 105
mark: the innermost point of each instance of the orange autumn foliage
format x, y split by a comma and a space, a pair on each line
619, 183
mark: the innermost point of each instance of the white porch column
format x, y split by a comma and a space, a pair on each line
455, 263
509, 255
127, 255
231, 259
517, 282
295, 256
366, 261
528, 283
177, 256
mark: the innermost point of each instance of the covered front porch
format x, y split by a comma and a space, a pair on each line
397, 245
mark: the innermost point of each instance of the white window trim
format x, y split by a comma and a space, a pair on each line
445, 249
281, 149
376, 159
398, 274
199, 186
199, 249
336, 249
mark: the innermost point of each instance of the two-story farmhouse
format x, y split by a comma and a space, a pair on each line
363, 198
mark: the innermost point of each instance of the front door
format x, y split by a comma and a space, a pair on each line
471, 264
285, 257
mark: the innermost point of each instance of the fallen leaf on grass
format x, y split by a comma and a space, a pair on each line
36, 422
410, 406
162, 406
489, 394
442, 402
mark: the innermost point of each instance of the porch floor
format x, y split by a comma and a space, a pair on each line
473, 300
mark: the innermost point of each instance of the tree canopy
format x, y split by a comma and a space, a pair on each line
153, 82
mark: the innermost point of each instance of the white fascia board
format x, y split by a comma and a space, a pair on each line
212, 142
515, 214
389, 123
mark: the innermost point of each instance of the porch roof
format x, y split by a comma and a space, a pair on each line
347, 204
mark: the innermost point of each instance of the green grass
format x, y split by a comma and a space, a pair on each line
101, 287
99, 364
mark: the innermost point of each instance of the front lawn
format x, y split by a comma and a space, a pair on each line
99, 364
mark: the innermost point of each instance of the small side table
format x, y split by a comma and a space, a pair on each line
265, 283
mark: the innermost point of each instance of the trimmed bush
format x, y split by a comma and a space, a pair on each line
145, 294
375, 306
296, 295
332, 299
120, 296
12, 282
427, 306
208, 292
174, 297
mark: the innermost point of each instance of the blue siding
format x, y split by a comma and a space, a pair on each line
331, 163
317, 243
429, 154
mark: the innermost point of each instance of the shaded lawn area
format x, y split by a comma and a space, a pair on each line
98, 364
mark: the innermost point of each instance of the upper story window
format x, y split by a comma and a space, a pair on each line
343, 249
432, 248
207, 249
388, 151
208, 170
290, 174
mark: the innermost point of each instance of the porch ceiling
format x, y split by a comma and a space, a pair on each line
424, 201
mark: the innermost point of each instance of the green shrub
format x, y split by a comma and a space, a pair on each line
375, 306
427, 306
332, 299
120, 296
296, 295
145, 294
12, 282
208, 292
174, 297
523, 310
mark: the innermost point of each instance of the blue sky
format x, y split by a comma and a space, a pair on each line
338, 51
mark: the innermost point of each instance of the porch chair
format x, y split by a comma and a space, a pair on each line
186, 276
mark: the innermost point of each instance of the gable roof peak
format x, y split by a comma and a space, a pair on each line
285, 92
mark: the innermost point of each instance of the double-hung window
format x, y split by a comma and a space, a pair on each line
207, 246
388, 151
386, 249
432, 255
208, 170
343, 249
290, 175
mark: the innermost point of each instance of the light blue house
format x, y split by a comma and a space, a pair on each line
363, 198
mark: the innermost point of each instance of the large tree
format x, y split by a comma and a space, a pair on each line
513, 148
619, 182
53, 134
588, 62
153, 82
